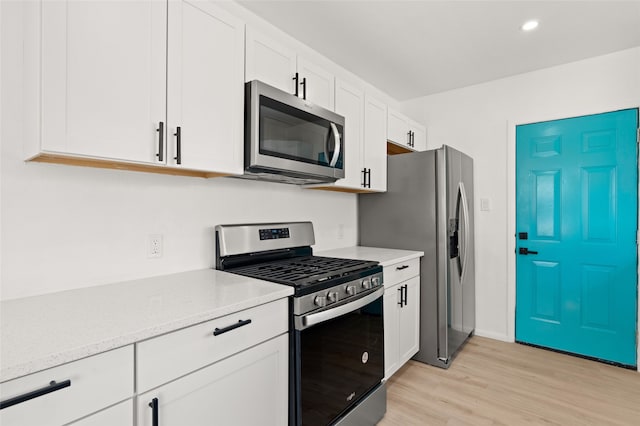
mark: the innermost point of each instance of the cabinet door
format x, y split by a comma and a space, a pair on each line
375, 142
350, 103
397, 127
103, 78
419, 136
320, 83
391, 325
269, 61
120, 415
205, 88
409, 337
250, 388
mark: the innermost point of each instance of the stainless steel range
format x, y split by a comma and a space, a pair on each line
337, 334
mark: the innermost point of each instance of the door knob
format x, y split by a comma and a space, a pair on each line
525, 251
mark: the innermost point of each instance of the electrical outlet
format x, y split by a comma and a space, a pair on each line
154, 246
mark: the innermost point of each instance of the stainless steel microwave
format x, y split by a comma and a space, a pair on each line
289, 139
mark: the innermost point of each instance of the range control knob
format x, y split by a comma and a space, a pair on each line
320, 301
332, 296
366, 283
351, 290
375, 281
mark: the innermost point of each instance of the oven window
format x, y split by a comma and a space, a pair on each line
341, 360
290, 133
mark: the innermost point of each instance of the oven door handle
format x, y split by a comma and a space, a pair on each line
313, 319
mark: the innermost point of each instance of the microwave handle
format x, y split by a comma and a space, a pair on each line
336, 152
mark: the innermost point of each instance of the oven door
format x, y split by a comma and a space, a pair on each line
340, 358
289, 134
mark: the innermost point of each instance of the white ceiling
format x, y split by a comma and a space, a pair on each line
416, 48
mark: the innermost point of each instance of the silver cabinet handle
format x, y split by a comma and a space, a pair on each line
465, 208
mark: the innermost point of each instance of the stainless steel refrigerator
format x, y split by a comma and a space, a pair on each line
428, 206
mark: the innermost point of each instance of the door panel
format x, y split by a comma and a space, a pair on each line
409, 341
460, 249
269, 61
576, 200
349, 104
469, 282
219, 394
206, 95
103, 78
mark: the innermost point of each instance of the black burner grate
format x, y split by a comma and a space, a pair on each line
303, 271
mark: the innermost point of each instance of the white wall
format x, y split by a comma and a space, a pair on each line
481, 119
68, 227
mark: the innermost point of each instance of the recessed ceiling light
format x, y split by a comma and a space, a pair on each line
530, 25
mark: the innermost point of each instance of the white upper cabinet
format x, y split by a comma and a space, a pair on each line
365, 141
397, 127
269, 61
103, 78
405, 132
119, 78
316, 84
276, 64
205, 88
350, 104
419, 135
375, 143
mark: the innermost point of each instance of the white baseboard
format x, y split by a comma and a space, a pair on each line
493, 335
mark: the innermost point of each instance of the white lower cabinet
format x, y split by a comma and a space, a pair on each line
409, 321
246, 389
391, 335
401, 315
205, 374
70, 391
120, 415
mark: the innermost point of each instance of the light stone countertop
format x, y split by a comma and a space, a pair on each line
384, 256
45, 331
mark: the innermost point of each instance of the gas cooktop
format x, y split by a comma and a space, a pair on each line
282, 253
304, 271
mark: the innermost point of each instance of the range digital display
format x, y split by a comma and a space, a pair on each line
274, 233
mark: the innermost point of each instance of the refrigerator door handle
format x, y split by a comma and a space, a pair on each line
465, 209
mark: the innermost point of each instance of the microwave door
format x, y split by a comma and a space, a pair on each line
288, 139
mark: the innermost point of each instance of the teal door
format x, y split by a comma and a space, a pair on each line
576, 227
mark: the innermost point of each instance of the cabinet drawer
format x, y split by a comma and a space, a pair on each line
95, 382
162, 359
401, 271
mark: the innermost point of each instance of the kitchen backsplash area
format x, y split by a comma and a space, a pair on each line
72, 227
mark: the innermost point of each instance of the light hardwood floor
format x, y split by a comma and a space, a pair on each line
498, 383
